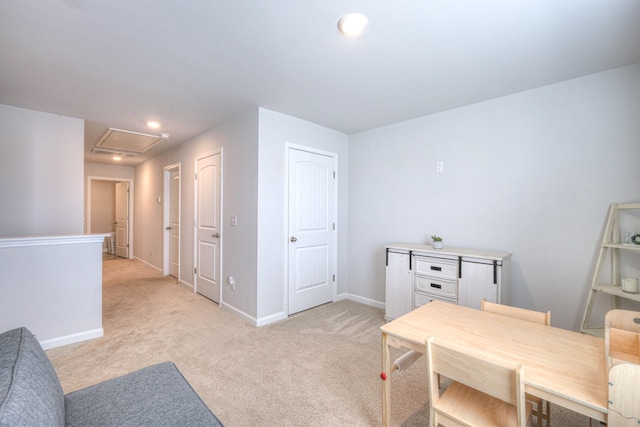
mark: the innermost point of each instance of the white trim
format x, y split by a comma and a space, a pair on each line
195, 224
131, 205
166, 172
252, 320
263, 321
238, 313
361, 300
186, 284
19, 242
72, 339
221, 239
148, 263
288, 146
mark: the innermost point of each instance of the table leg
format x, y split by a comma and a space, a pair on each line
386, 384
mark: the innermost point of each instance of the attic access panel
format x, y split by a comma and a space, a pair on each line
126, 141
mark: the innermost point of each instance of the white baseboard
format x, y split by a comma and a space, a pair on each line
72, 339
149, 264
282, 316
186, 285
252, 320
239, 313
271, 319
361, 300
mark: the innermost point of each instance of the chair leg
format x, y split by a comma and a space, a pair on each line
542, 411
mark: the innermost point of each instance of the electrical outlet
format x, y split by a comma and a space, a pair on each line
439, 166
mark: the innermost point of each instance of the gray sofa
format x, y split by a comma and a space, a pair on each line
31, 394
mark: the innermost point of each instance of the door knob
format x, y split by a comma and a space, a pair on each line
168, 228
216, 235
293, 239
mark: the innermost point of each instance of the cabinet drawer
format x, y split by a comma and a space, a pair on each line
434, 286
421, 299
437, 267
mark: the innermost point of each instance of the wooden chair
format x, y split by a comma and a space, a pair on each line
622, 337
624, 395
542, 409
516, 312
482, 393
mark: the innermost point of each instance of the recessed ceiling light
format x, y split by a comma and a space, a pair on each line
353, 24
153, 124
117, 158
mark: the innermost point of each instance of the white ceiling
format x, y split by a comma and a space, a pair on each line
195, 64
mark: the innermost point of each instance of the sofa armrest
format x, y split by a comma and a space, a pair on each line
30, 392
156, 395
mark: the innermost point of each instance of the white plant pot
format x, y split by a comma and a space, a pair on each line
437, 245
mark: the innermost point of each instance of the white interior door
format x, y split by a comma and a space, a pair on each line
174, 222
208, 211
122, 219
311, 198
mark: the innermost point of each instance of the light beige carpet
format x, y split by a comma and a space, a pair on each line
317, 368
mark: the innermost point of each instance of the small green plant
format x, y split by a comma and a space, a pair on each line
635, 239
436, 238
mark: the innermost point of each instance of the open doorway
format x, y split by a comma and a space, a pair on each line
103, 216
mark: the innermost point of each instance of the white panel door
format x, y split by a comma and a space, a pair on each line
174, 223
311, 228
122, 219
208, 210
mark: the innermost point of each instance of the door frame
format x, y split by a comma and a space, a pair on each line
166, 176
92, 178
195, 219
289, 146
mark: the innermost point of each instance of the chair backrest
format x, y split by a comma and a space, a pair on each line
624, 395
499, 381
517, 312
622, 336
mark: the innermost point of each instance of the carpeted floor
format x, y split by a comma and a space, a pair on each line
318, 368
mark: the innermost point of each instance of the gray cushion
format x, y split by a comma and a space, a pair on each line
157, 395
30, 392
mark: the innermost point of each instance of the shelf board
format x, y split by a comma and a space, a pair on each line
617, 291
622, 246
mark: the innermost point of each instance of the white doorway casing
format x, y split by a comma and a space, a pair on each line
131, 225
207, 225
172, 209
311, 227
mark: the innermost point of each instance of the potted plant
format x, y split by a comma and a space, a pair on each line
437, 242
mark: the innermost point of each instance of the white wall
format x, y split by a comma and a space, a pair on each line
41, 170
105, 170
276, 130
253, 148
531, 173
239, 141
60, 301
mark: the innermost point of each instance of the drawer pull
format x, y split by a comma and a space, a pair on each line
435, 285
434, 268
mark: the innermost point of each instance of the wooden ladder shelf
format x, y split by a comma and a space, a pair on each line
611, 245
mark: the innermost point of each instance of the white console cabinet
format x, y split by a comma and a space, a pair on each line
419, 274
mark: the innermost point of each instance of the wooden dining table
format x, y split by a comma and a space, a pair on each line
563, 367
